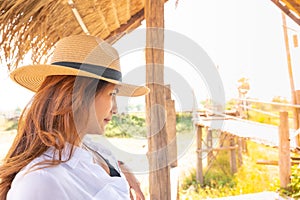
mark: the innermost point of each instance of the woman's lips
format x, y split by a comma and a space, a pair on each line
106, 121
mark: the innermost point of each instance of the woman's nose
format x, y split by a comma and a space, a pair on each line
114, 108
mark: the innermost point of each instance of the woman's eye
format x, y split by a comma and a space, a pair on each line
114, 92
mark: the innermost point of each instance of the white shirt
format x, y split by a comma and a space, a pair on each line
79, 178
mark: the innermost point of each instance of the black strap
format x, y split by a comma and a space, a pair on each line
95, 69
112, 170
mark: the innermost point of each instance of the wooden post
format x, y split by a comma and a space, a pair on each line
209, 146
159, 175
290, 70
168, 93
240, 151
199, 168
222, 138
284, 150
245, 148
171, 128
297, 94
232, 156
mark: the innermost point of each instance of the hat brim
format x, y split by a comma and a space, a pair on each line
32, 76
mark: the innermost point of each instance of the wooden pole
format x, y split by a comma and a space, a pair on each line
245, 148
171, 128
240, 151
232, 156
297, 94
290, 70
222, 138
159, 175
209, 144
284, 150
199, 168
168, 93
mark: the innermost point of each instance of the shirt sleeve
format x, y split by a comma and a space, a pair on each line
36, 185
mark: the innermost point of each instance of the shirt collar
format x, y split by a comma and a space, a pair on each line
78, 155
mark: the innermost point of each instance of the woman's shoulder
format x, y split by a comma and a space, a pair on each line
35, 184
37, 172
34, 177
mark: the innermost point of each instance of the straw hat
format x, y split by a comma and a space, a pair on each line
79, 55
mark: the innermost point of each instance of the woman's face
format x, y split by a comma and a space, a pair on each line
102, 109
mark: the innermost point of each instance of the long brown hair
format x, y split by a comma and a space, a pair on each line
50, 120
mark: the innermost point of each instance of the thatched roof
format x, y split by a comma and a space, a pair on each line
290, 7
37, 25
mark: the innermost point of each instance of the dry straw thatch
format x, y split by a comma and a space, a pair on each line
36, 25
290, 8
293, 5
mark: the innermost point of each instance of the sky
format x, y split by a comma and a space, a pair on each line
243, 38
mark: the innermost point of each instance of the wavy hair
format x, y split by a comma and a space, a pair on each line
49, 120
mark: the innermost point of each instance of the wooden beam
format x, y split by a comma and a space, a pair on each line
233, 155
287, 11
219, 149
168, 92
240, 151
78, 17
199, 167
159, 175
134, 22
171, 128
295, 158
297, 95
209, 143
267, 162
290, 70
274, 162
284, 150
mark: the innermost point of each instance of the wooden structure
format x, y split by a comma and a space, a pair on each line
291, 77
236, 130
36, 25
290, 7
159, 175
171, 128
206, 148
297, 112
284, 150
294, 108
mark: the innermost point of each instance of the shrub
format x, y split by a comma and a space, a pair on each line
184, 122
126, 125
133, 125
11, 125
250, 178
293, 189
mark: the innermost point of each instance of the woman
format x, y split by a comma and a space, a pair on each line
75, 96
